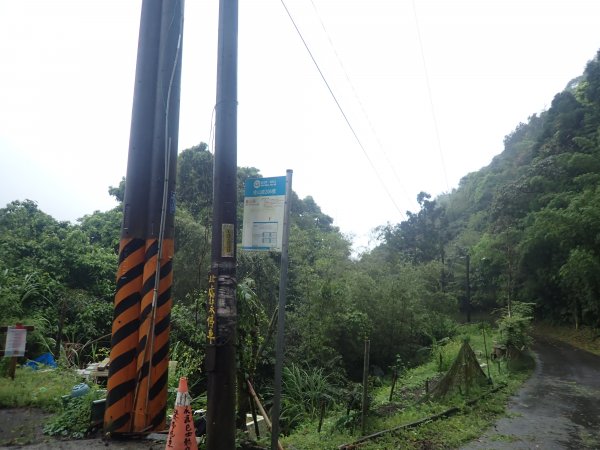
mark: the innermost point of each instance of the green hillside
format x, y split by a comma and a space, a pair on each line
529, 220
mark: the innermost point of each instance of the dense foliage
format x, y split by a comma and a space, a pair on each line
530, 219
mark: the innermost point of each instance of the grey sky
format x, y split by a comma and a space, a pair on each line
66, 85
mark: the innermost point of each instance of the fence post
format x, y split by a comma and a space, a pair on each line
365, 399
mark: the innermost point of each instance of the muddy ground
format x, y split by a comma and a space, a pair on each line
22, 428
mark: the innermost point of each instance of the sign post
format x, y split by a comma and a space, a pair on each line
264, 210
281, 312
16, 339
267, 207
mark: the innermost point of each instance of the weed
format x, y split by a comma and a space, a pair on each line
74, 420
303, 392
36, 388
504, 438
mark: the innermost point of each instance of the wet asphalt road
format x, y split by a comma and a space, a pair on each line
557, 408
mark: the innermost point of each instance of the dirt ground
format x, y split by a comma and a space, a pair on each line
22, 428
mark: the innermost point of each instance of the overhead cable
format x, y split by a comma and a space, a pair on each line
360, 144
433, 115
360, 103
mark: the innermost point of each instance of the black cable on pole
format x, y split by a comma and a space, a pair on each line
342, 110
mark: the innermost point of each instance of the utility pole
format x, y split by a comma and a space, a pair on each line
222, 307
137, 390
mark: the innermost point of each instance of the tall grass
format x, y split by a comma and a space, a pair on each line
303, 392
37, 388
410, 403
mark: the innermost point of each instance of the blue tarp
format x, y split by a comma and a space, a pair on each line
45, 359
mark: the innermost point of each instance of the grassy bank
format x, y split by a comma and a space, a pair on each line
410, 404
37, 388
585, 338
474, 409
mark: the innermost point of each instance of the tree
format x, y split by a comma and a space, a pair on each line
192, 258
422, 237
103, 228
579, 279
195, 182
118, 192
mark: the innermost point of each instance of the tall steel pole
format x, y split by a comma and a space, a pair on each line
222, 307
283, 276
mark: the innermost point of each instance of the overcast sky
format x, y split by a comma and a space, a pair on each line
430, 88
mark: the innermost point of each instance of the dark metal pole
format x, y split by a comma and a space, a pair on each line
221, 334
468, 257
254, 417
281, 315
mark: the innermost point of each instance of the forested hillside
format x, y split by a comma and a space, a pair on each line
526, 228
529, 221
60, 277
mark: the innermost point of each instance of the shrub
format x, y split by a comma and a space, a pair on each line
303, 392
515, 325
74, 420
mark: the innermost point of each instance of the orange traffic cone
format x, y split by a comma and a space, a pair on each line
182, 435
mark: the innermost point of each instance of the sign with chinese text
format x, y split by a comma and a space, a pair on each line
15, 341
264, 202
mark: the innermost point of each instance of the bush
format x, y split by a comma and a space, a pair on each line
303, 392
515, 325
75, 419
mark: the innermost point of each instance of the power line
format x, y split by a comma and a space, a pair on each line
435, 124
360, 144
360, 103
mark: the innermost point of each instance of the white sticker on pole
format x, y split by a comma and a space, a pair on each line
15, 341
264, 203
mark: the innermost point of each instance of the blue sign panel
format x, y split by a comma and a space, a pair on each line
263, 214
264, 187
